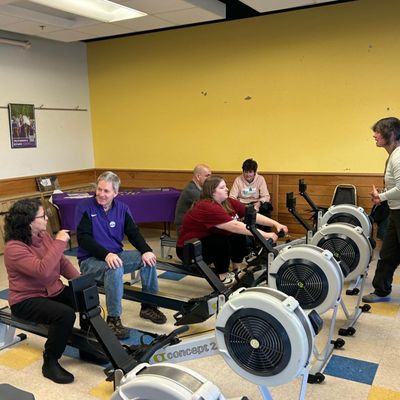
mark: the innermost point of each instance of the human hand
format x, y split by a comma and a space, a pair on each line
257, 205
149, 259
63, 235
270, 235
375, 195
279, 227
113, 261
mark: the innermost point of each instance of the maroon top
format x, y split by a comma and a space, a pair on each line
35, 270
201, 219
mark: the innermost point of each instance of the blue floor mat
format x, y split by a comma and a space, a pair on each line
351, 369
71, 252
172, 276
135, 338
4, 294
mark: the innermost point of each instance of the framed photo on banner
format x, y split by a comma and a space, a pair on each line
22, 125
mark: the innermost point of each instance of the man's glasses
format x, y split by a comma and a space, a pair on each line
44, 216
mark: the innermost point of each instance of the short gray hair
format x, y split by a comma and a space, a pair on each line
109, 176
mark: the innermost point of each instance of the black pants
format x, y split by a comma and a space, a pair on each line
389, 257
220, 250
57, 312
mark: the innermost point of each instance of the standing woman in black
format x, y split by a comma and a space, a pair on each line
387, 135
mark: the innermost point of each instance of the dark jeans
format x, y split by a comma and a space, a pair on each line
389, 257
220, 250
57, 312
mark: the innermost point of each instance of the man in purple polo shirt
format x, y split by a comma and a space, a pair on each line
102, 222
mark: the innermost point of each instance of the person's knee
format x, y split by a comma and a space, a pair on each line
113, 274
65, 315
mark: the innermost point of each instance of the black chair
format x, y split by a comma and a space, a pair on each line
344, 194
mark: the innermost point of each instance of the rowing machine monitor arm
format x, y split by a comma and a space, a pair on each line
291, 206
303, 193
250, 217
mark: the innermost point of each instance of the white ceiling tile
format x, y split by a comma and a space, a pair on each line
272, 5
23, 16
104, 29
157, 6
67, 35
30, 28
146, 23
190, 16
8, 19
324, 1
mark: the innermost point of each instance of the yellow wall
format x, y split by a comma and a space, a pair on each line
317, 78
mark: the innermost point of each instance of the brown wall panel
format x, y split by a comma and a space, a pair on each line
320, 187
68, 179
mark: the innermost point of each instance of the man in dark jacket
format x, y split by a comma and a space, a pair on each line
102, 222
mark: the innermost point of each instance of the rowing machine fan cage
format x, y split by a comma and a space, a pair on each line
309, 274
264, 336
348, 244
350, 214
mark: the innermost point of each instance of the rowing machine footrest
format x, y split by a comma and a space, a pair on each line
195, 311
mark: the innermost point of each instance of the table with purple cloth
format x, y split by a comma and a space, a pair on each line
146, 205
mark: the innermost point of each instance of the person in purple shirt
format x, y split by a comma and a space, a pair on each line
102, 223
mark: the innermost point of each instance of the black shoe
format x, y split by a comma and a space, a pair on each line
52, 370
118, 329
153, 314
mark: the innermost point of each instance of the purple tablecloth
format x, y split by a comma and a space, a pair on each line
146, 205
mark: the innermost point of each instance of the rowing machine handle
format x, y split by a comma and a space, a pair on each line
163, 341
302, 186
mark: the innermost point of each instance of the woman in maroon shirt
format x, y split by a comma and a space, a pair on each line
215, 221
35, 262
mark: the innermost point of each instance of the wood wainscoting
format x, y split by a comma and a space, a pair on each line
27, 185
320, 187
15, 189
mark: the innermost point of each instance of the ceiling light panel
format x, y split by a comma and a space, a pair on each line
101, 10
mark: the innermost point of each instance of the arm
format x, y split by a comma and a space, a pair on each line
263, 220
234, 192
134, 236
68, 270
264, 193
239, 227
84, 235
394, 192
22, 259
137, 240
188, 196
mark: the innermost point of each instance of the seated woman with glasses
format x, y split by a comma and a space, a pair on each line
215, 221
35, 262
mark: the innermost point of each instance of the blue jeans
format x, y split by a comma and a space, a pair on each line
113, 278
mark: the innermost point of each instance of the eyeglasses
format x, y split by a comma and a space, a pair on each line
44, 216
